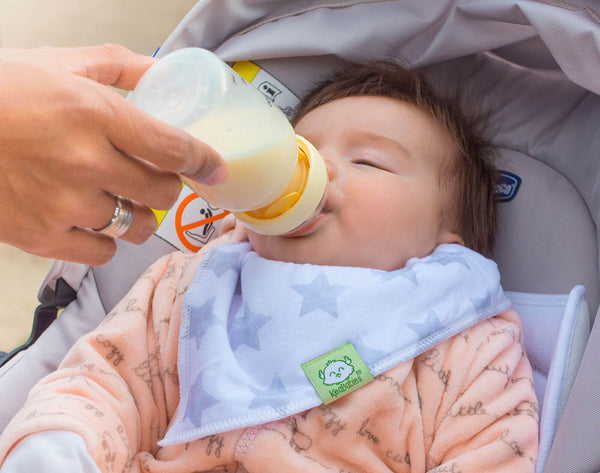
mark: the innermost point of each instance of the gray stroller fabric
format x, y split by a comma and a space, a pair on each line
533, 64
576, 448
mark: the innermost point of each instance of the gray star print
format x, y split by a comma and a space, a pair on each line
483, 302
430, 325
244, 330
449, 258
319, 295
198, 401
225, 261
405, 273
367, 353
202, 318
274, 396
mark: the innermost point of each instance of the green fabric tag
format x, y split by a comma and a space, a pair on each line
337, 373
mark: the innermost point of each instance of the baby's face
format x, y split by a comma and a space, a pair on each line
384, 199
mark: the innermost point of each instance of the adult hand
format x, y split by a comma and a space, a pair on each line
69, 144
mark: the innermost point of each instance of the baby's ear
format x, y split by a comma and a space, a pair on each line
448, 237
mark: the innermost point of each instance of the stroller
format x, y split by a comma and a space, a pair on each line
534, 64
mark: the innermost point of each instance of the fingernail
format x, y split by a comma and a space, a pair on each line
218, 176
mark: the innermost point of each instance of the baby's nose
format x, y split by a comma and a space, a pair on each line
331, 164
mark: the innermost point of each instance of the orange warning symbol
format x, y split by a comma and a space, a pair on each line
196, 233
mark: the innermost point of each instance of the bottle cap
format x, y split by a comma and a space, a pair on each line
291, 211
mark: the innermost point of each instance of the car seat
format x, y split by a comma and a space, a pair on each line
533, 64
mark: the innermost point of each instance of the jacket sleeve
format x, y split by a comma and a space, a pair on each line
479, 406
117, 386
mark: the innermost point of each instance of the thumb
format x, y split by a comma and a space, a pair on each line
108, 64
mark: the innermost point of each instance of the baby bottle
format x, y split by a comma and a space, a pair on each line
277, 180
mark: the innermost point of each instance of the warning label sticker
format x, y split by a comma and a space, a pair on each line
269, 86
191, 223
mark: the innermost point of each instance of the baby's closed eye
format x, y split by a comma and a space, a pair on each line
368, 162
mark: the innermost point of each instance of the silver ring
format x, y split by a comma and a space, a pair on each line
121, 219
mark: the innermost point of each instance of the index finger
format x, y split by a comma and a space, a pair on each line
139, 134
108, 64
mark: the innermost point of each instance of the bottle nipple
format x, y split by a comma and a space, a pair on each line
300, 201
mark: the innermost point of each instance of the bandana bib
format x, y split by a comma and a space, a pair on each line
250, 324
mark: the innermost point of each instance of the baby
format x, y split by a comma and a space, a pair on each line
375, 339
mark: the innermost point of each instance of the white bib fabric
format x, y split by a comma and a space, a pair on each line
248, 324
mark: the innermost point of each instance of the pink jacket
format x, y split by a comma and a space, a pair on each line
467, 405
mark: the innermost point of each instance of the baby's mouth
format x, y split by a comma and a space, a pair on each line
309, 226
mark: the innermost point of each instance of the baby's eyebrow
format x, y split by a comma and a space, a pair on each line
362, 137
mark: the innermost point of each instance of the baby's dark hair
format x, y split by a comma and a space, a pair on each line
470, 178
